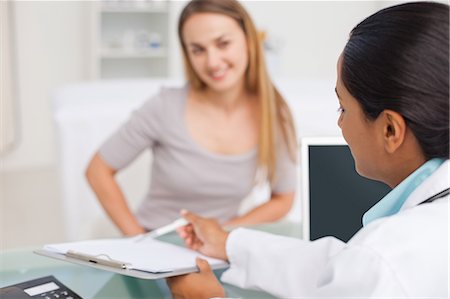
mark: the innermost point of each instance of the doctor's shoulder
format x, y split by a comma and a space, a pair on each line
415, 223
418, 235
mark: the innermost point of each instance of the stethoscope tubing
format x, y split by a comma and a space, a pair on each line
441, 194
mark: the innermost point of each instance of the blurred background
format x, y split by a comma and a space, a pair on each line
72, 71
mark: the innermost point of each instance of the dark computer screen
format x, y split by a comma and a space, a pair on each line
338, 195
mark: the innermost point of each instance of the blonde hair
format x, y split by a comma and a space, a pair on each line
275, 114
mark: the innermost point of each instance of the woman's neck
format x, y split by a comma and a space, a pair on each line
404, 170
229, 100
405, 161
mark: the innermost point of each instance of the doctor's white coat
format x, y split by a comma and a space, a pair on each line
404, 255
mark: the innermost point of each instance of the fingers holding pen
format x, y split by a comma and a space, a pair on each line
204, 235
190, 217
187, 233
193, 241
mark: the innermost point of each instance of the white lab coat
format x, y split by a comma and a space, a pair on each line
404, 255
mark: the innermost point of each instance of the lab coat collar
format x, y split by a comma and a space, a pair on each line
393, 202
435, 183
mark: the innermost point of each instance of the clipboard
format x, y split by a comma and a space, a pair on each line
104, 261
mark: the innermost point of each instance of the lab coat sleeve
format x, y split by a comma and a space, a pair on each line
358, 272
282, 266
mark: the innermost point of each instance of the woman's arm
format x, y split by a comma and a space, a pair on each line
276, 208
101, 179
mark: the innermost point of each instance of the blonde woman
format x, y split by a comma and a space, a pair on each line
209, 139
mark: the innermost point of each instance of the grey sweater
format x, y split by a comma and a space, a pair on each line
183, 174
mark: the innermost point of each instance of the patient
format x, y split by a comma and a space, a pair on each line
212, 140
393, 90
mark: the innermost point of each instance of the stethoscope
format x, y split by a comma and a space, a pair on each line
441, 194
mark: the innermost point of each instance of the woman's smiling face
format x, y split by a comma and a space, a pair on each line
217, 49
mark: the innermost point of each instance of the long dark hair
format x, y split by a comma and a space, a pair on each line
398, 59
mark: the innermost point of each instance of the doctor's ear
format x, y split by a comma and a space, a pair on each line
394, 130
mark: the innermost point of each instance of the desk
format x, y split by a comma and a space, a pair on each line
20, 265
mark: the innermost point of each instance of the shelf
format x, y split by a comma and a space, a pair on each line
125, 6
119, 53
134, 10
130, 39
132, 68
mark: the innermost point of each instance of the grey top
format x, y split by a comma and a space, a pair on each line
183, 174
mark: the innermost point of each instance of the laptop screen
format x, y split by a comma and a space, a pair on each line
337, 196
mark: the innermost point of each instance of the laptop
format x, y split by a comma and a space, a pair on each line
334, 196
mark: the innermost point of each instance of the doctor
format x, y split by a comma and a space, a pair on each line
393, 90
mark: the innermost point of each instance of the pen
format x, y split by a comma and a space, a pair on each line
96, 259
164, 229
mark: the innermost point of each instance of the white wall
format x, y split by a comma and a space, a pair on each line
7, 117
52, 42
50, 51
312, 34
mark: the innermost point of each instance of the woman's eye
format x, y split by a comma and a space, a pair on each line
196, 51
340, 110
223, 44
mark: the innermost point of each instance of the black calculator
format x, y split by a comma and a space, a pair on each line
44, 288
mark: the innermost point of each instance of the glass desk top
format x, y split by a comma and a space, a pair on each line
20, 265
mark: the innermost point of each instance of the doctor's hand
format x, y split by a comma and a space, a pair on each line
204, 235
203, 284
